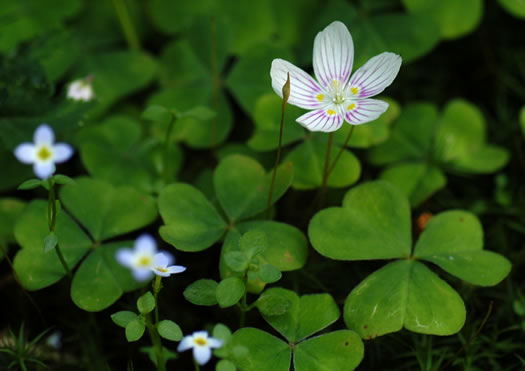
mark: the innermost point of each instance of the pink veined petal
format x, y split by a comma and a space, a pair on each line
142, 274
374, 76
214, 343
325, 119
202, 354
185, 344
25, 153
124, 256
364, 110
44, 170
63, 152
146, 244
174, 269
44, 135
333, 54
305, 92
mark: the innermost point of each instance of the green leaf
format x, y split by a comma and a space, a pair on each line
225, 365
169, 330
269, 273
308, 160
117, 74
411, 136
237, 261
146, 303
108, 211
157, 113
267, 117
10, 209
454, 241
306, 315
253, 243
101, 280
222, 332
230, 291
454, 18
135, 330
191, 222
124, 317
62, 179
173, 17
13, 171
50, 242
374, 223
338, 350
273, 303
35, 268
404, 294
242, 186
30, 184
202, 292
417, 180
253, 349
461, 137
514, 7
25, 20
199, 113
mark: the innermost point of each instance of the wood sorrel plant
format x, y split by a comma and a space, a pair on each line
155, 158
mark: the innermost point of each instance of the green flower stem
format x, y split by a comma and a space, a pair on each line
286, 95
341, 150
157, 285
326, 169
165, 157
197, 367
215, 80
157, 343
51, 218
127, 25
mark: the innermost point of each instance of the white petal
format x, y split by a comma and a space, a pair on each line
202, 354
214, 343
333, 55
44, 135
124, 256
174, 269
63, 152
160, 260
146, 244
142, 274
305, 92
325, 119
25, 153
365, 110
185, 344
377, 74
44, 170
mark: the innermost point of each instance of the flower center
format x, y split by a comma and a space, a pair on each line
161, 269
144, 261
337, 92
200, 341
44, 153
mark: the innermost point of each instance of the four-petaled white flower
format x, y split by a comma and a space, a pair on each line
43, 153
81, 89
161, 265
201, 344
140, 258
337, 96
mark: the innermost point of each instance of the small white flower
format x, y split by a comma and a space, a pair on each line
336, 96
43, 153
161, 265
55, 340
201, 344
81, 89
140, 258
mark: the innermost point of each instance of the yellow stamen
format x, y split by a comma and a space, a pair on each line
144, 261
200, 341
320, 97
354, 90
330, 112
351, 107
44, 153
160, 269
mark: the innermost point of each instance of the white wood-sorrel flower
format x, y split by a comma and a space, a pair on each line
43, 153
140, 258
161, 265
336, 96
81, 89
201, 344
